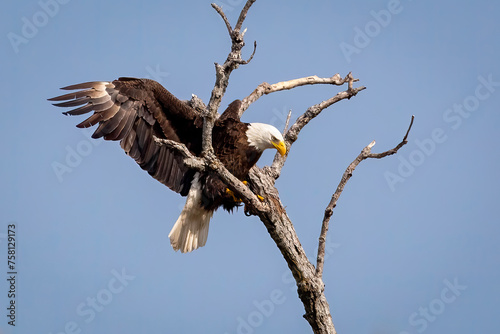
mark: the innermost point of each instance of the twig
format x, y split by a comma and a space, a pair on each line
244, 62
365, 154
395, 149
287, 122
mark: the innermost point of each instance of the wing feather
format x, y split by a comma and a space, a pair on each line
149, 154
135, 151
106, 128
168, 167
127, 142
91, 121
113, 135
103, 106
128, 121
97, 85
80, 111
83, 93
161, 162
73, 103
134, 111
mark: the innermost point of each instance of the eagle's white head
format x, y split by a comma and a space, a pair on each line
263, 136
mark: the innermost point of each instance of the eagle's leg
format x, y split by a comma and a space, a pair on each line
238, 200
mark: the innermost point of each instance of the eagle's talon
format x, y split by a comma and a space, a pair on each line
249, 212
258, 196
231, 193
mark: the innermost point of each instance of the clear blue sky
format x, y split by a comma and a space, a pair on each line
414, 242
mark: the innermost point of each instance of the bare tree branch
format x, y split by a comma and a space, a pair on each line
365, 154
243, 15
265, 88
313, 111
224, 18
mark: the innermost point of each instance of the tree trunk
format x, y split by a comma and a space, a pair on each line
310, 287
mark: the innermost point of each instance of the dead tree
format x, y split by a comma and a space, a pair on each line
271, 211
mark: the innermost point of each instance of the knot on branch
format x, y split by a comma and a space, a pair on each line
197, 104
329, 212
237, 38
266, 87
211, 160
307, 286
337, 79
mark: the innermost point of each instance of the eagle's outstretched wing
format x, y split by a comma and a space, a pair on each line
133, 111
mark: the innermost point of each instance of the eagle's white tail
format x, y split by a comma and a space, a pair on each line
191, 228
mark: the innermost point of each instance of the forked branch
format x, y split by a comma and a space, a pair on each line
222, 73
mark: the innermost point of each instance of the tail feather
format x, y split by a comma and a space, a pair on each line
190, 231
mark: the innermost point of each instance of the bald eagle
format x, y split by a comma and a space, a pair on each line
134, 111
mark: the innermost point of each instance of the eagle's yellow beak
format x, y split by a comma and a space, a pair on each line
280, 146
